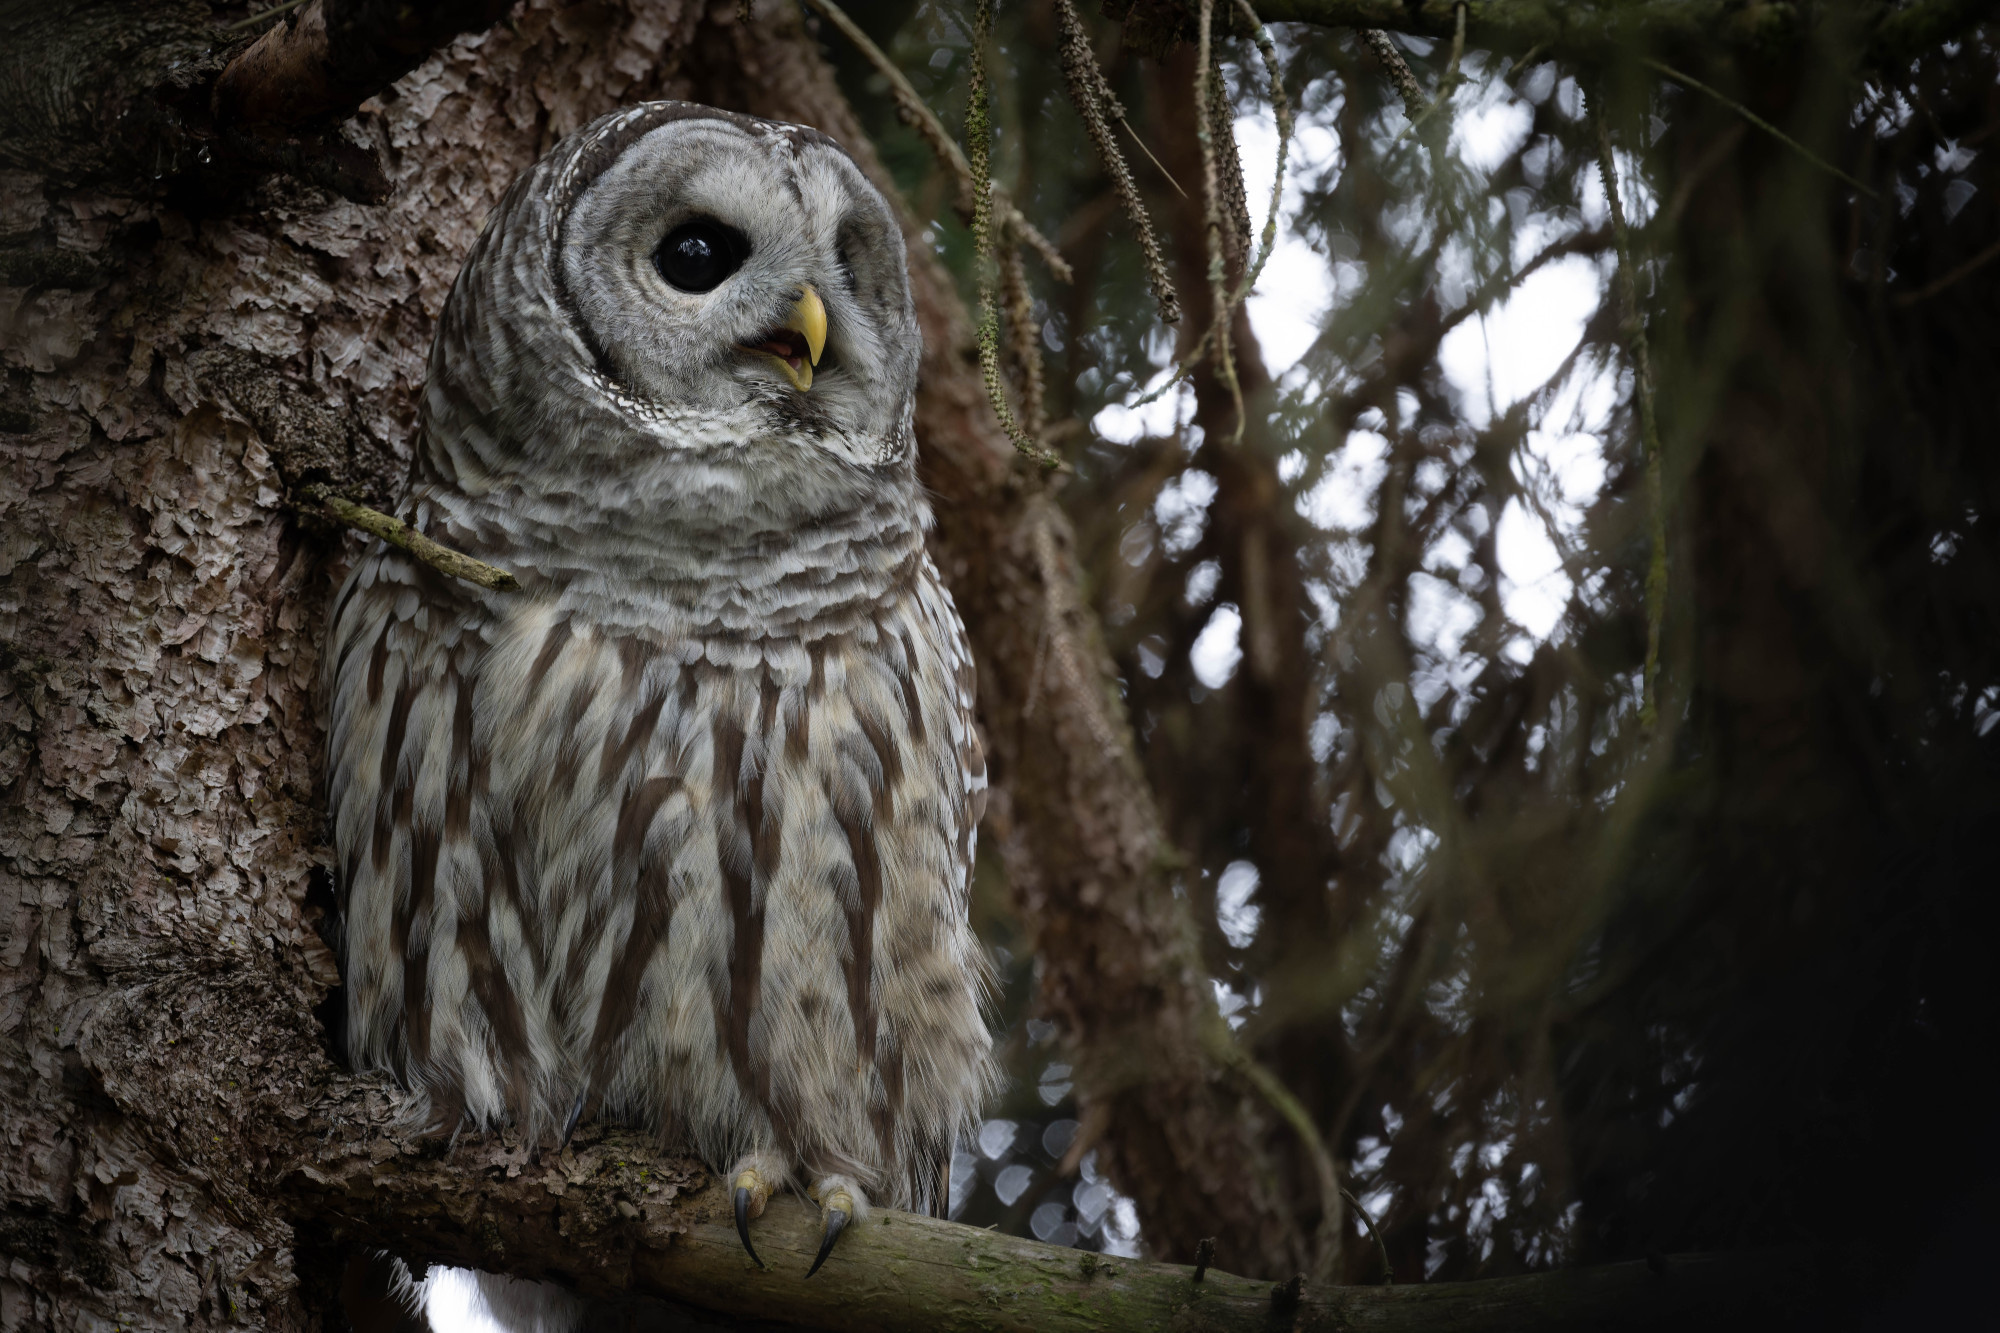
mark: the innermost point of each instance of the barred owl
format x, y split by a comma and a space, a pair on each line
679, 833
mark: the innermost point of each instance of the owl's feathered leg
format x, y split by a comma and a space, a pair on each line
841, 1199
753, 1178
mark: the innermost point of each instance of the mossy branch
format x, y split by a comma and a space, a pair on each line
406, 538
1094, 99
979, 149
613, 1217
1415, 104
1281, 110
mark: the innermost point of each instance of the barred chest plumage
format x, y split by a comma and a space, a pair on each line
712, 881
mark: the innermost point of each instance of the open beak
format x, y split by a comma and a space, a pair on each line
797, 343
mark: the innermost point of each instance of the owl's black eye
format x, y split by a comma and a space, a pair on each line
697, 256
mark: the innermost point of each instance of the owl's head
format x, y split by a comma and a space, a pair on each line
677, 280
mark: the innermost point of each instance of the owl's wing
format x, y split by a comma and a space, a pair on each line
940, 618
954, 1047
407, 798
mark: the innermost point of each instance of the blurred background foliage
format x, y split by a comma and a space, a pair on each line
1558, 981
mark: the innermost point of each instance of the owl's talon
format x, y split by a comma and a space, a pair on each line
751, 1192
839, 1209
575, 1114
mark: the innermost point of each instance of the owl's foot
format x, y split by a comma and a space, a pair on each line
841, 1200
754, 1178
751, 1193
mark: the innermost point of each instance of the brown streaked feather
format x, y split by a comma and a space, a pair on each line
459, 778
652, 916
378, 661
569, 755
746, 914
889, 755
498, 1002
890, 1109
500, 867
552, 646
867, 861
417, 956
637, 736
913, 709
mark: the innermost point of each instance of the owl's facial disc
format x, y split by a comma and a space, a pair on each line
747, 285
795, 346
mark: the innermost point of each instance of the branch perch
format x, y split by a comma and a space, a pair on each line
406, 538
613, 1217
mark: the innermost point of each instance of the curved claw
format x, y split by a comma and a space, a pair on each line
836, 1218
743, 1222
575, 1114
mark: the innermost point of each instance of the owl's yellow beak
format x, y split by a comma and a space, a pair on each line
797, 343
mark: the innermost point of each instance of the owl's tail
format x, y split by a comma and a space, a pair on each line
459, 1300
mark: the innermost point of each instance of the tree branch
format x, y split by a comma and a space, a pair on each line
406, 538
612, 1217
1568, 30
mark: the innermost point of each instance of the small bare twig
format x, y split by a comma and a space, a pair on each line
1120, 111
1649, 428
1924, 293
270, 13
402, 536
1757, 120
1381, 1247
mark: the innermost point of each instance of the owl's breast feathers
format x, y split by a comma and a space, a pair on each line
703, 860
